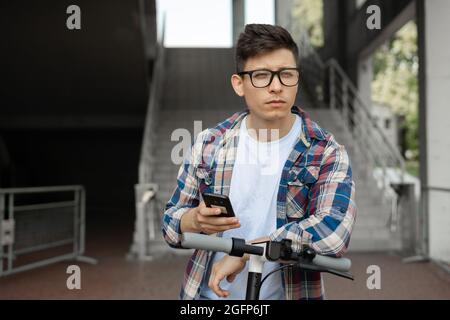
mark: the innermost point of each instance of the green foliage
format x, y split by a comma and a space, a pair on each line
308, 14
395, 66
395, 83
412, 167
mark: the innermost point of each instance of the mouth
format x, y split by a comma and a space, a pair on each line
276, 102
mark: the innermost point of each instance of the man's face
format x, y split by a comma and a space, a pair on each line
258, 99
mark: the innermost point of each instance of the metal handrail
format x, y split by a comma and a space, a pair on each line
332, 68
146, 228
148, 146
11, 212
434, 188
43, 206
380, 152
332, 63
41, 189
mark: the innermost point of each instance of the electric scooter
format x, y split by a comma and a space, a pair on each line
281, 251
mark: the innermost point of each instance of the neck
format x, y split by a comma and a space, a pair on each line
266, 131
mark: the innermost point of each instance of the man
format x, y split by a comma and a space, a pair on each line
286, 178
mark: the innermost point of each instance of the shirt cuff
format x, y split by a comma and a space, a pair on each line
293, 232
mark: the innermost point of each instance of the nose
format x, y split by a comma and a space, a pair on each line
275, 85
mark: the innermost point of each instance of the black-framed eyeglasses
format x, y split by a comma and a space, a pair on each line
262, 78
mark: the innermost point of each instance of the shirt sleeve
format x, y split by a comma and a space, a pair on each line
331, 209
185, 195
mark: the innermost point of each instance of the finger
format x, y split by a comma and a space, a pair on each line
260, 240
231, 277
214, 281
218, 227
214, 285
208, 231
209, 211
219, 221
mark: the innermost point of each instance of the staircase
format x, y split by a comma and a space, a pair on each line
335, 104
372, 228
196, 86
209, 98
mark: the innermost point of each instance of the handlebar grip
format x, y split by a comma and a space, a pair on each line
204, 242
340, 264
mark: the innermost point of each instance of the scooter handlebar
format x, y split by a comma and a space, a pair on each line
205, 242
339, 264
218, 244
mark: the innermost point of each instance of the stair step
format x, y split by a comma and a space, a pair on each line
181, 109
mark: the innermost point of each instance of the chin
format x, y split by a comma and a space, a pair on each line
269, 113
275, 113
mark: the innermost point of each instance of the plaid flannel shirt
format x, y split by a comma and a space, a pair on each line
315, 201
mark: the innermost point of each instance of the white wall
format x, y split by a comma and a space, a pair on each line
365, 78
382, 113
437, 24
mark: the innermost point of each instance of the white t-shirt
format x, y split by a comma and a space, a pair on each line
253, 195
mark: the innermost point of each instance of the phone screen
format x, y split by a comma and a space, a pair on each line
219, 201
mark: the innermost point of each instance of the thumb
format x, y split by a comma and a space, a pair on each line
231, 277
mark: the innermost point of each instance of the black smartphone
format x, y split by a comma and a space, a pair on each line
220, 201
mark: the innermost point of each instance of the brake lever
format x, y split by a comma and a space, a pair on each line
304, 265
283, 250
346, 275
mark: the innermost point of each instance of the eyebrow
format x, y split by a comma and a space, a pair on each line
267, 68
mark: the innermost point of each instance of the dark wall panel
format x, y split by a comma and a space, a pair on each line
50, 69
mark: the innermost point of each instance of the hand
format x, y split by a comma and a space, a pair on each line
205, 220
228, 267
259, 240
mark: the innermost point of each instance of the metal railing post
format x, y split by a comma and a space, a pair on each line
76, 223
82, 220
345, 112
22, 245
2, 216
10, 219
332, 89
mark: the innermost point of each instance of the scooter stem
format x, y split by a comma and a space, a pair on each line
255, 269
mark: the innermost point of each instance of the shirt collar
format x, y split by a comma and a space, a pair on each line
310, 129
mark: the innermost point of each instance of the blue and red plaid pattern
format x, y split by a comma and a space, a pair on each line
315, 202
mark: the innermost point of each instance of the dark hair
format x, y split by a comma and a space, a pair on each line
261, 38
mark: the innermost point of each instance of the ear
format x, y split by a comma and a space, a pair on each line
238, 85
